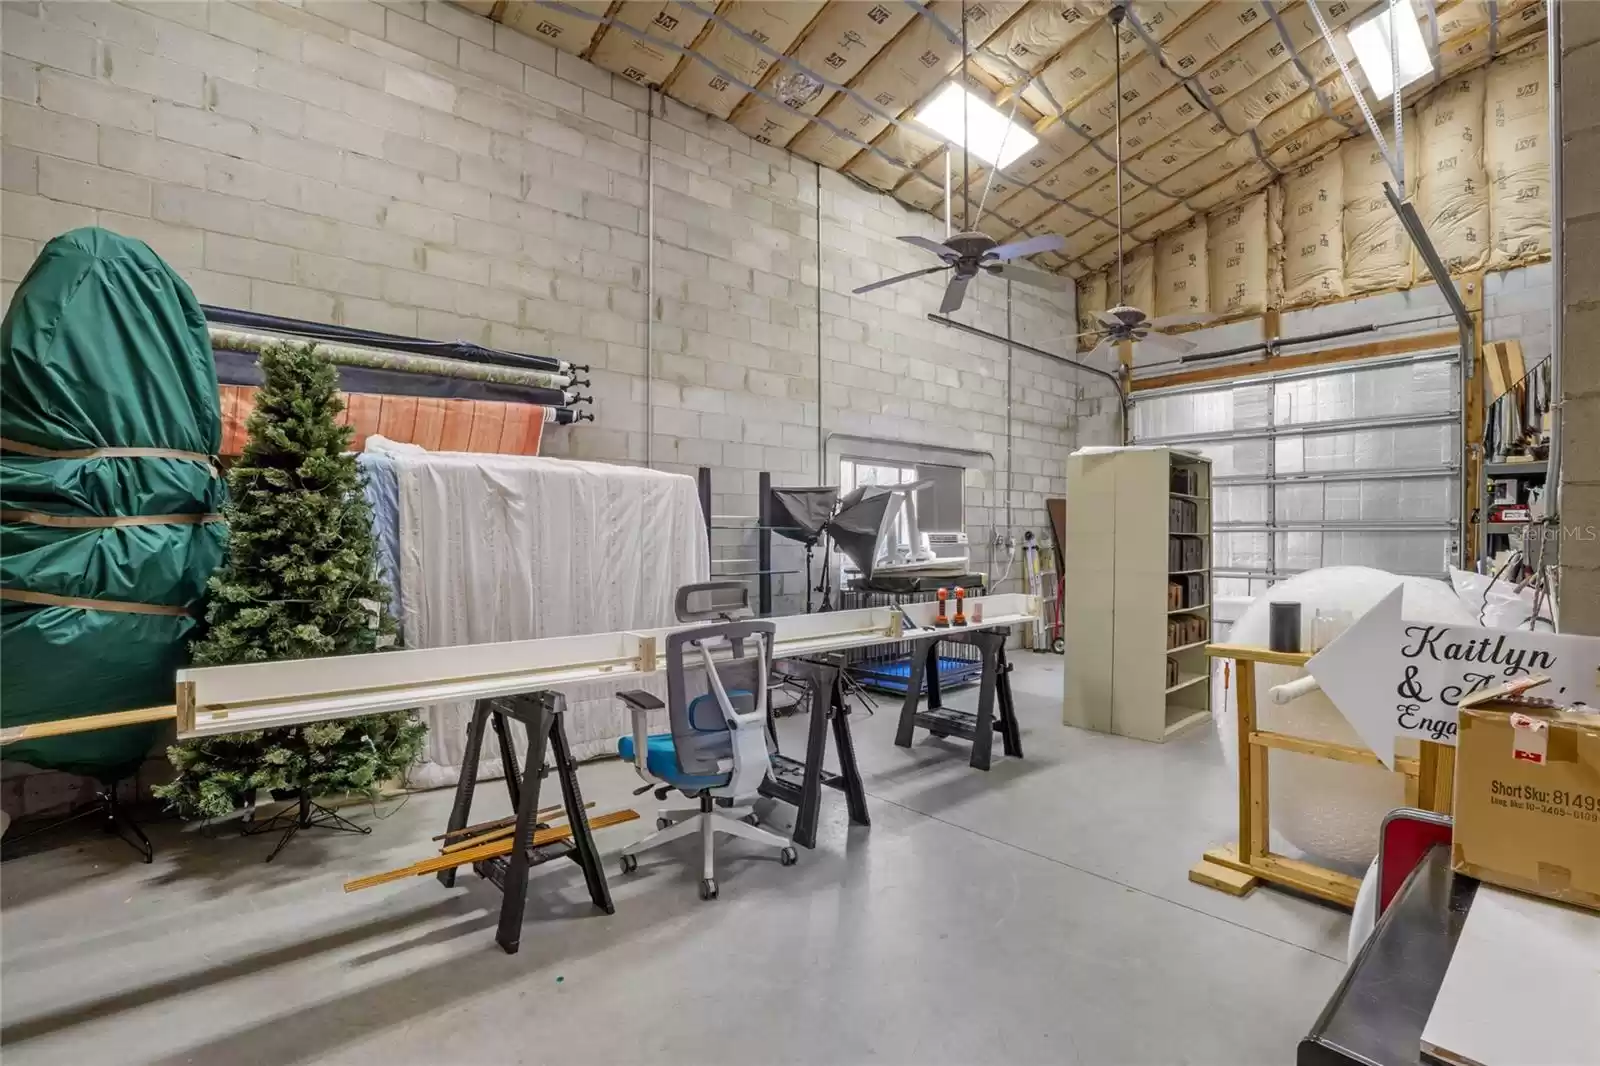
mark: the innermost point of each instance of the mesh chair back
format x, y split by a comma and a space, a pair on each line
700, 735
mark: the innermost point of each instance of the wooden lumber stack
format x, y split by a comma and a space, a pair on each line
487, 840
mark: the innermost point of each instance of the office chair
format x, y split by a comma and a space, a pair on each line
716, 752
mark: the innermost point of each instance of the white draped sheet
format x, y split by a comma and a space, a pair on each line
499, 547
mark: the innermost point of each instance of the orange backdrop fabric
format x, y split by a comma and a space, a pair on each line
436, 424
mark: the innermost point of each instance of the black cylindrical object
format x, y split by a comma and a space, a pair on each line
1283, 632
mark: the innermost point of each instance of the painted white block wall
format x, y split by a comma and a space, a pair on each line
414, 168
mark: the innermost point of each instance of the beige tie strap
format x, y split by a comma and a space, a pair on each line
61, 521
47, 599
107, 453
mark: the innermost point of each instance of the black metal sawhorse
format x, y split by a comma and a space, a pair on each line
800, 782
541, 713
942, 721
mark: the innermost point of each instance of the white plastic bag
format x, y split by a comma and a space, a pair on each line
1500, 604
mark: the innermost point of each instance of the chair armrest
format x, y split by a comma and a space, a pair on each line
640, 703
640, 700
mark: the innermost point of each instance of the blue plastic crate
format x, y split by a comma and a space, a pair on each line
893, 675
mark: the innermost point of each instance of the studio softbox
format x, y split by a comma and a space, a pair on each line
801, 513
858, 529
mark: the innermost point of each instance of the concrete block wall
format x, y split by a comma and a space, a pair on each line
414, 168
1579, 594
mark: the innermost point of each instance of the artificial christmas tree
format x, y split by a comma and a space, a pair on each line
300, 581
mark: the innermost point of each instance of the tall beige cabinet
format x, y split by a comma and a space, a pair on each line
1137, 604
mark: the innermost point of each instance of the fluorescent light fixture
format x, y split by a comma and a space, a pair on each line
1374, 50
990, 135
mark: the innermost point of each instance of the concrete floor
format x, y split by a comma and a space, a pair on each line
1036, 913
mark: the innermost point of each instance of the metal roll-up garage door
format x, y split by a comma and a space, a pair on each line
1354, 464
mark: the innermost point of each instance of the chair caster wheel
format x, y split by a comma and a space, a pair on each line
662, 794
752, 818
708, 888
663, 823
630, 863
788, 856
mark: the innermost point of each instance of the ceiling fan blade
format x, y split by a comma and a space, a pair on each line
1182, 320
1039, 279
1165, 342
935, 247
1099, 350
1046, 242
899, 277
954, 293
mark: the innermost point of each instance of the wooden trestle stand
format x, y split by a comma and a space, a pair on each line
1237, 868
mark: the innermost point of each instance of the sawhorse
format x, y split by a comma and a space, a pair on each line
541, 713
945, 722
800, 783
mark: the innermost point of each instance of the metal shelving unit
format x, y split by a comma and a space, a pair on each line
1123, 570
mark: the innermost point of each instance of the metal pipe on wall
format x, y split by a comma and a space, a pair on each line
1009, 361
1553, 49
650, 277
822, 444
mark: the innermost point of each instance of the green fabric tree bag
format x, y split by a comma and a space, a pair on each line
104, 348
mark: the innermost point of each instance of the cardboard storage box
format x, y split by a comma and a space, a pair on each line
1527, 794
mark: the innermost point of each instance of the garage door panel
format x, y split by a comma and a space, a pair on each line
1351, 464
1402, 552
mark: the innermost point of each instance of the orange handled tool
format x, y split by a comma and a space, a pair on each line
961, 614
941, 619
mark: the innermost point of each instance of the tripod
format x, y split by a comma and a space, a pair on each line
114, 821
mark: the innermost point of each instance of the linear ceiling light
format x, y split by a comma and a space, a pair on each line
1373, 49
990, 135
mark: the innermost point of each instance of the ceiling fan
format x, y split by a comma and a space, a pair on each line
1122, 323
968, 252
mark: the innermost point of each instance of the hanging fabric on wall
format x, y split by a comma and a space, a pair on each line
1515, 424
505, 547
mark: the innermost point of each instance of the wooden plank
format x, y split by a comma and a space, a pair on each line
506, 829
1223, 878
1329, 885
1253, 806
89, 723
1322, 749
1436, 777
1250, 653
510, 819
484, 851
398, 418
1326, 357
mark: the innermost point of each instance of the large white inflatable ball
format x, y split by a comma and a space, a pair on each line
1329, 811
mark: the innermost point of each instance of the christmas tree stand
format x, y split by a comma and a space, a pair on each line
114, 822
306, 814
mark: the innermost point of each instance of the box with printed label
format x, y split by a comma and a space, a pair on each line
1527, 794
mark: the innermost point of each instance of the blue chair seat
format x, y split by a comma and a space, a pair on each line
661, 759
